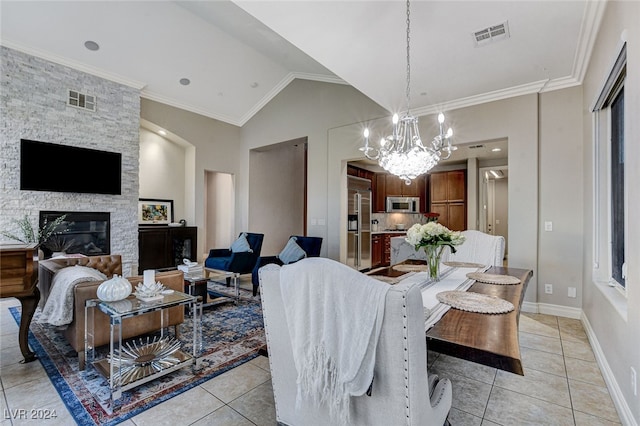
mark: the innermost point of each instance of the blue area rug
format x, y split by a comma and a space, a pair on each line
232, 335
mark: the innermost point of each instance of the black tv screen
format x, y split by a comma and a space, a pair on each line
62, 168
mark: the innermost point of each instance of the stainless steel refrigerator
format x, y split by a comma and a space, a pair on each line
359, 223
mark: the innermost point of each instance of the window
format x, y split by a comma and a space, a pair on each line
610, 206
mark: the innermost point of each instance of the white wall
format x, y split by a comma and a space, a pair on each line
616, 329
305, 108
216, 147
162, 171
561, 202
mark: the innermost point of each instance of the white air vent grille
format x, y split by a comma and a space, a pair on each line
81, 100
491, 34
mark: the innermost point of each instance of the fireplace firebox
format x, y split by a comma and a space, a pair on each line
87, 233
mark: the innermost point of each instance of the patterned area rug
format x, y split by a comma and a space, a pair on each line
232, 335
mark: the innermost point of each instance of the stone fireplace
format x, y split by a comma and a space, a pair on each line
87, 233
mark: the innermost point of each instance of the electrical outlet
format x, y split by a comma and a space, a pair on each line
548, 226
634, 387
572, 292
548, 288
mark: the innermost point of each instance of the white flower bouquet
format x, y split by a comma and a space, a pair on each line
433, 237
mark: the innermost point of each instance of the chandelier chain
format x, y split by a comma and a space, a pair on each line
403, 152
408, 56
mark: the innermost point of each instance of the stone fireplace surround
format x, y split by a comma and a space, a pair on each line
33, 102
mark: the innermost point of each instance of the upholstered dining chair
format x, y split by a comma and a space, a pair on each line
237, 260
478, 247
309, 246
402, 391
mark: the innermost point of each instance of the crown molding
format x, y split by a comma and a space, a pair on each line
73, 64
172, 102
591, 20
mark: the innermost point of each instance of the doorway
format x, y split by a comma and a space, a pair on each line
219, 210
493, 200
278, 192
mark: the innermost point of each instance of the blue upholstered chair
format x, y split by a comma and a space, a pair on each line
240, 259
310, 245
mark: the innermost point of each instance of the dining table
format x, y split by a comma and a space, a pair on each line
487, 339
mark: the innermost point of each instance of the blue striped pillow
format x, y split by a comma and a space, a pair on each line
291, 252
241, 244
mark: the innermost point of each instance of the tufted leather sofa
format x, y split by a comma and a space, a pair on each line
108, 265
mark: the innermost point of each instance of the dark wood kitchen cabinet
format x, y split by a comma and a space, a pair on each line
376, 250
388, 185
448, 196
164, 247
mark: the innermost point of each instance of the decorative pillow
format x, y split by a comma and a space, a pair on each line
241, 244
291, 252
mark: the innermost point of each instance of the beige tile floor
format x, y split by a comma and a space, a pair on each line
562, 385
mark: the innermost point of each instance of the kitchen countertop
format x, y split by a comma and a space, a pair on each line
389, 232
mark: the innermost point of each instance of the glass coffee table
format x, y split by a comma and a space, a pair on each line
139, 360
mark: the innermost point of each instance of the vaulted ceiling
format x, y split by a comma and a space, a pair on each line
239, 55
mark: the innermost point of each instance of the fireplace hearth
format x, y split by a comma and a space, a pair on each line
87, 233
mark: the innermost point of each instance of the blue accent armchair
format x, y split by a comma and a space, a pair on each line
310, 245
235, 263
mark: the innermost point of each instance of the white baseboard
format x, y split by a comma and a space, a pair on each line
557, 310
626, 416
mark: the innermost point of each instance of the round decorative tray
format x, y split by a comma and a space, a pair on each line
493, 278
454, 264
410, 268
475, 302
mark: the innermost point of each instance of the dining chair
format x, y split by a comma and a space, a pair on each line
402, 391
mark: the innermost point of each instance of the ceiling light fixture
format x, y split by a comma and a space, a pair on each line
402, 153
496, 150
91, 45
185, 81
162, 132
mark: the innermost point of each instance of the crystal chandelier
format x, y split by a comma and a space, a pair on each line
402, 153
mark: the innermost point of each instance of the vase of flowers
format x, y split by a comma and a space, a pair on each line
433, 237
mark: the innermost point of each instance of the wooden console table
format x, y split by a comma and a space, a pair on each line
18, 278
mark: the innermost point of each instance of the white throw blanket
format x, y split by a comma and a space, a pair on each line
59, 307
334, 315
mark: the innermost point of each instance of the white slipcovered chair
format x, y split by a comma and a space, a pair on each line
401, 392
478, 247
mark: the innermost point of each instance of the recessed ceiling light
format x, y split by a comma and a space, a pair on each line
91, 45
162, 132
185, 81
496, 150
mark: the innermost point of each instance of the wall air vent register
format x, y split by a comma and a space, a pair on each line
81, 100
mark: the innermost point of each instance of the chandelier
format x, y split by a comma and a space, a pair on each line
402, 153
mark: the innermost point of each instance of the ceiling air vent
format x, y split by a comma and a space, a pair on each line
475, 146
491, 34
81, 100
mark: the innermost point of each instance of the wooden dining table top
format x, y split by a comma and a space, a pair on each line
488, 339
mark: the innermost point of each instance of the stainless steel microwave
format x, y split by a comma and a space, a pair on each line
403, 205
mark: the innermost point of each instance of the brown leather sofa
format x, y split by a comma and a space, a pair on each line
108, 265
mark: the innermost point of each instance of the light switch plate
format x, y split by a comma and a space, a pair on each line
548, 226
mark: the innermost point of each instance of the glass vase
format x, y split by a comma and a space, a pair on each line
434, 253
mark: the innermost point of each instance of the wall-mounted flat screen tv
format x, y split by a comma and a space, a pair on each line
61, 168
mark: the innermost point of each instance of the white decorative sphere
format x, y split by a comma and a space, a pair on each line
117, 288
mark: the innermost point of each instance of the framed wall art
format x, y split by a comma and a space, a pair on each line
155, 212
